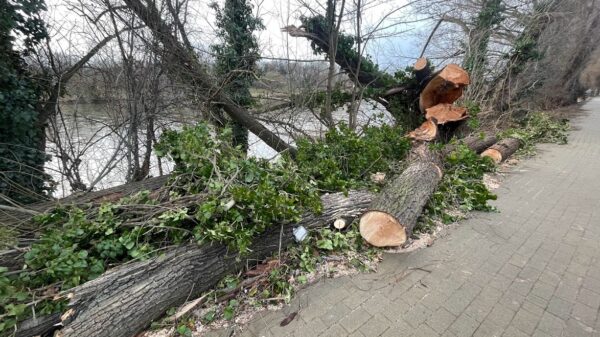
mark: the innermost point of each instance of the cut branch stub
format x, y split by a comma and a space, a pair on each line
445, 112
426, 132
422, 70
446, 86
502, 150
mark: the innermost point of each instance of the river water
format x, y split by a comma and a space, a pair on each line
98, 144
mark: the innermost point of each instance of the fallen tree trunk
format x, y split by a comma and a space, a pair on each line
394, 212
124, 301
479, 144
502, 150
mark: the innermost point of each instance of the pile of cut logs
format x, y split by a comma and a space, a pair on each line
125, 300
395, 210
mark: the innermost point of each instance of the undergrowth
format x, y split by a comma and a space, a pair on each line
216, 194
461, 190
538, 128
346, 159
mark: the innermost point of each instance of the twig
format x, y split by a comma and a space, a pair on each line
188, 307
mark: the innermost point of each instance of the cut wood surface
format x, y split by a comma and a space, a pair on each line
126, 299
445, 86
502, 149
394, 212
426, 132
445, 112
422, 70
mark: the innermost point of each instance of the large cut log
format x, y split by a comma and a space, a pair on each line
446, 86
502, 149
124, 301
394, 212
479, 144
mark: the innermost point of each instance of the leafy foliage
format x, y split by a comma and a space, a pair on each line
538, 128
236, 55
461, 190
21, 156
344, 159
238, 198
244, 195
318, 25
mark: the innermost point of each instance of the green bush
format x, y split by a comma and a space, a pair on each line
461, 189
345, 159
538, 128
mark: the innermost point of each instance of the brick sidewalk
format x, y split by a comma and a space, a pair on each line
533, 269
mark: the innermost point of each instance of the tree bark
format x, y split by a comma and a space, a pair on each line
502, 149
185, 66
479, 144
476, 143
125, 300
394, 212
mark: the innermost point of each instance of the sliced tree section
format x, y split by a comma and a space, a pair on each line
446, 86
502, 149
445, 112
426, 132
184, 66
422, 70
127, 299
394, 212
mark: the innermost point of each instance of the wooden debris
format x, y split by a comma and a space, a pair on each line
502, 150
445, 112
426, 132
394, 212
446, 86
340, 224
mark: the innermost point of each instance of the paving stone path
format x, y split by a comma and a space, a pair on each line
533, 269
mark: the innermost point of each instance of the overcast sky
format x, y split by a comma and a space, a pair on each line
395, 46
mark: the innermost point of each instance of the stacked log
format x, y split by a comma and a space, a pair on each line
438, 93
502, 150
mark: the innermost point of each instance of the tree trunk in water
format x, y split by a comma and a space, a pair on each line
394, 212
502, 149
125, 300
